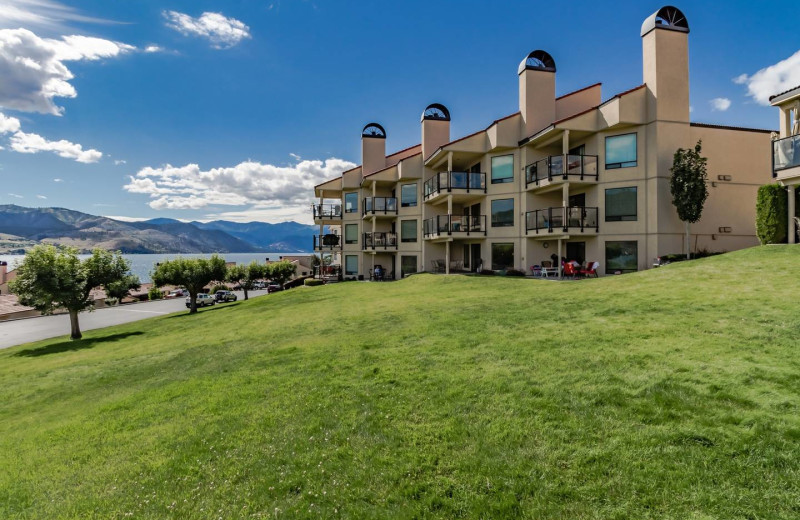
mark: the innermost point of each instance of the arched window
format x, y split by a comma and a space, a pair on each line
668, 17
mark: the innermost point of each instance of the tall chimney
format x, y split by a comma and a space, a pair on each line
665, 70
373, 149
3, 271
435, 128
537, 91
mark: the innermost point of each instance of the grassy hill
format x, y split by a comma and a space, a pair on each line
672, 393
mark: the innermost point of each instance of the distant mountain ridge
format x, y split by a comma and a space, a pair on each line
160, 235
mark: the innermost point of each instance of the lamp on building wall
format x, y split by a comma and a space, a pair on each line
545, 245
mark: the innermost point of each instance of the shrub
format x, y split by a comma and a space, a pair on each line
311, 282
772, 214
487, 272
154, 293
514, 272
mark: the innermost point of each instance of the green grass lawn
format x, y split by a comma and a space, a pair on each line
672, 393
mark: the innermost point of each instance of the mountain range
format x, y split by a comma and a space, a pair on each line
21, 227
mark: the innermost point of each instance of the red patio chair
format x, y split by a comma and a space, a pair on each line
591, 269
569, 270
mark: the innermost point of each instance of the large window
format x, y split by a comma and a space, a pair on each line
408, 195
408, 265
502, 256
622, 256
502, 212
351, 234
408, 230
351, 202
621, 204
502, 169
351, 264
620, 151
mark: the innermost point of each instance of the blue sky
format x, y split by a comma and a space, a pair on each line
235, 109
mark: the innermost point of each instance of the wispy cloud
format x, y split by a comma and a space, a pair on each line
772, 80
58, 180
41, 197
720, 104
223, 32
119, 162
16, 196
47, 15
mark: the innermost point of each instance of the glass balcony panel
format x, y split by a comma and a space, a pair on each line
458, 180
786, 152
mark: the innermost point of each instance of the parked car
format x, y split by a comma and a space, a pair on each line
259, 285
224, 296
271, 288
202, 300
177, 293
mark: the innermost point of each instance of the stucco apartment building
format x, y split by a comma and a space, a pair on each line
786, 150
572, 175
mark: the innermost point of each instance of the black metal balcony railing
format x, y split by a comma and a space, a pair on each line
580, 167
329, 211
785, 154
379, 206
327, 242
553, 219
380, 240
454, 224
449, 181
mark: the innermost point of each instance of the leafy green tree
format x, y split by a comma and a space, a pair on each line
246, 275
122, 288
51, 278
192, 273
688, 186
154, 294
772, 214
281, 272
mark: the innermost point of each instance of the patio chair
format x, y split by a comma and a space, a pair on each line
536, 271
569, 270
590, 269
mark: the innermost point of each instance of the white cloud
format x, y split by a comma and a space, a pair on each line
15, 196
221, 31
41, 197
122, 218
34, 70
58, 180
119, 162
691, 109
295, 156
153, 48
33, 143
772, 80
720, 104
264, 186
8, 124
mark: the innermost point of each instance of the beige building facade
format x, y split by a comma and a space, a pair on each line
786, 151
572, 176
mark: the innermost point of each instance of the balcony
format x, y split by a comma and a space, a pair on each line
379, 206
327, 212
785, 156
454, 225
329, 242
557, 169
579, 219
379, 240
458, 183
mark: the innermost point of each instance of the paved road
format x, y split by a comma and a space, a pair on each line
34, 329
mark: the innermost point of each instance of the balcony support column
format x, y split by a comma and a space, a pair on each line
449, 204
447, 257
374, 193
565, 144
791, 190
449, 162
559, 259
565, 196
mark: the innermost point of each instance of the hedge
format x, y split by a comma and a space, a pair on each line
311, 282
772, 214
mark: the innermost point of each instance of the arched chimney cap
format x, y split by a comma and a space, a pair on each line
436, 112
373, 130
537, 60
668, 17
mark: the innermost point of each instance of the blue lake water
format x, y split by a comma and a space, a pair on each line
141, 265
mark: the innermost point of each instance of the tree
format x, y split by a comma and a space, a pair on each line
246, 275
688, 186
191, 273
51, 278
772, 214
281, 272
122, 288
